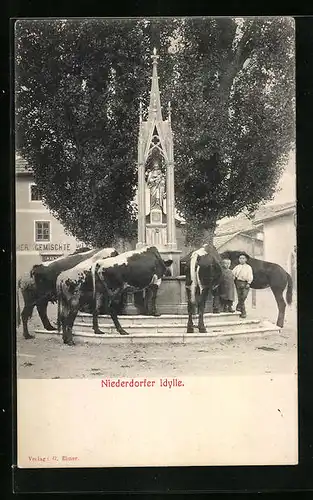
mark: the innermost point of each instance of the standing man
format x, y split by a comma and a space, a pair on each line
243, 278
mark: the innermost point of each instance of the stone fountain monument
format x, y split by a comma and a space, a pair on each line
156, 199
156, 223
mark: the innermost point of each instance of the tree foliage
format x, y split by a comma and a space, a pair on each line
77, 95
233, 115
231, 83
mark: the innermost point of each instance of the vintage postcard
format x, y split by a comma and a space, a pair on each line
156, 254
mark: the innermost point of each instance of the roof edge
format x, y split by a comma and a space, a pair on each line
231, 236
254, 228
280, 213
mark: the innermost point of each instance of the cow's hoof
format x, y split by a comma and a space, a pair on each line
51, 328
216, 311
190, 329
123, 332
68, 342
28, 337
202, 330
156, 314
99, 332
280, 324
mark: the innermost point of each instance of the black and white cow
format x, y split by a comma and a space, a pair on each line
73, 287
38, 287
132, 271
203, 274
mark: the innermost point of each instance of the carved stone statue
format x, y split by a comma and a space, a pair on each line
156, 184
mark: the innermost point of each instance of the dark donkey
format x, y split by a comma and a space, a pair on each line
203, 273
267, 275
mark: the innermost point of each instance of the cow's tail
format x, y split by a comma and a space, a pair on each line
193, 277
289, 289
18, 303
59, 302
59, 314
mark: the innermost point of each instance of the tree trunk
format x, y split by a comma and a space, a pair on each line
232, 65
198, 235
208, 235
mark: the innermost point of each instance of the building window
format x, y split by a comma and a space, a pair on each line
35, 193
42, 230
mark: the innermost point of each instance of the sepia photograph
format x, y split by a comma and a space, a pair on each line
156, 243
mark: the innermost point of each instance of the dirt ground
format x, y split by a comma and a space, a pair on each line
47, 357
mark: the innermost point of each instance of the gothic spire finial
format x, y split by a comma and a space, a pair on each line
140, 111
155, 103
154, 56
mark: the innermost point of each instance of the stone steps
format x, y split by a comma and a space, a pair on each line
169, 328
172, 319
174, 338
160, 330
167, 324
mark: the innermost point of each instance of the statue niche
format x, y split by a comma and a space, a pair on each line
156, 225
156, 184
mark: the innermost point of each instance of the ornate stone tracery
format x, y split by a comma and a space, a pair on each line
156, 171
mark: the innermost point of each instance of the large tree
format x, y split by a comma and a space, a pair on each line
233, 94
77, 96
231, 83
